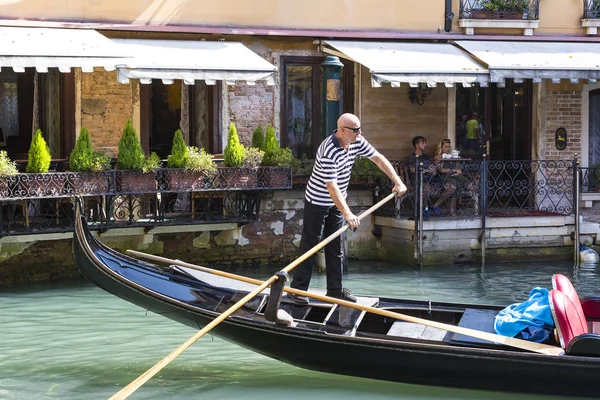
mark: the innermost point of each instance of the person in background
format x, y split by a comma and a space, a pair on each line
325, 207
431, 182
451, 174
472, 135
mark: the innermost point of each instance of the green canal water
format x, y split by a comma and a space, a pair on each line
74, 341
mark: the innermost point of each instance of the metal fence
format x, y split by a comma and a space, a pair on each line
591, 9
467, 189
41, 203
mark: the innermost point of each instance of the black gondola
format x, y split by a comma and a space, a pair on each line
342, 340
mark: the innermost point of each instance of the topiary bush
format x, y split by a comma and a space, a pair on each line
82, 156
271, 146
258, 138
131, 154
7, 166
234, 152
179, 152
39, 155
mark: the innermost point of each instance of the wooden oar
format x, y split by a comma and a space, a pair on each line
136, 384
492, 337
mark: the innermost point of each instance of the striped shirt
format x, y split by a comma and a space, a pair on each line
334, 163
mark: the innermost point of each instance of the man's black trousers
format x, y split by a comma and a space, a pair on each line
319, 223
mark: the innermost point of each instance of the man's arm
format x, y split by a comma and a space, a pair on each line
388, 169
340, 203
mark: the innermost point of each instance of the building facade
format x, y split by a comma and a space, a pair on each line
417, 68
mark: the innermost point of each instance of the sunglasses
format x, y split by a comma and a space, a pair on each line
355, 130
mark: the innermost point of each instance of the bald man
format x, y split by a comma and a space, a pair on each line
325, 207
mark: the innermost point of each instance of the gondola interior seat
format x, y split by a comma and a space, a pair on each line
588, 309
569, 324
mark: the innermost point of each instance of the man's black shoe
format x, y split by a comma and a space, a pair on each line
300, 300
343, 294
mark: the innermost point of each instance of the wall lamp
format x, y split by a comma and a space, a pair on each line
417, 95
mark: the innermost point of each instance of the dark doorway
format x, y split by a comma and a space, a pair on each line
505, 116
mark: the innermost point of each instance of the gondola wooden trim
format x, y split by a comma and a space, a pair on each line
139, 381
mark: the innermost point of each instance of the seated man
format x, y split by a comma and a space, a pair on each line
430, 179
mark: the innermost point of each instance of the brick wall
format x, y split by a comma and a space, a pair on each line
563, 109
249, 106
106, 105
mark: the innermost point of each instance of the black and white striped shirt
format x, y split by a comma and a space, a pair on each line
334, 163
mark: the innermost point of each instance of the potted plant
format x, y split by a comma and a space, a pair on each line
252, 160
134, 175
234, 176
301, 173
258, 138
365, 172
8, 169
88, 165
500, 9
277, 176
37, 182
177, 176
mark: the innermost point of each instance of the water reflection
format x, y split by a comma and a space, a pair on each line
74, 341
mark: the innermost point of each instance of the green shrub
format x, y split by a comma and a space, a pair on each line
100, 162
271, 146
7, 167
131, 154
258, 138
179, 152
285, 158
253, 157
201, 161
366, 170
39, 154
82, 155
234, 152
151, 163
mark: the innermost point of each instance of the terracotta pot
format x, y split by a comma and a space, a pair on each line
185, 181
89, 183
237, 178
136, 182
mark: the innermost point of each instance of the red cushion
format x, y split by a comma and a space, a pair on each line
566, 318
563, 284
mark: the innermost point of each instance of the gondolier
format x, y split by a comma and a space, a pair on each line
325, 207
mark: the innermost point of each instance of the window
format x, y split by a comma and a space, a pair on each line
301, 105
194, 109
30, 100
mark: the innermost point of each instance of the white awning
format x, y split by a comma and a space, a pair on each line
537, 60
193, 60
413, 63
44, 48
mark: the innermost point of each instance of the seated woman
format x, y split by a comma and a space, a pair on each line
451, 174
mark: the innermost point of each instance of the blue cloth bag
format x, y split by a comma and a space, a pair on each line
529, 320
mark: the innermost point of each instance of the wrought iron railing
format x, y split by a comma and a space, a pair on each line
36, 203
591, 9
507, 188
590, 179
500, 9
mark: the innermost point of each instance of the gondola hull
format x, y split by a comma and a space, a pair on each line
332, 347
